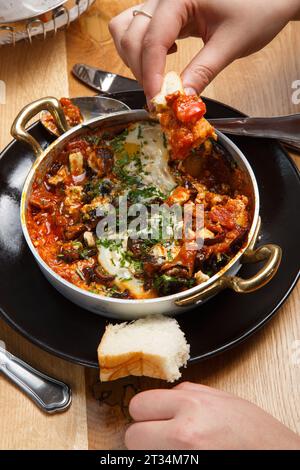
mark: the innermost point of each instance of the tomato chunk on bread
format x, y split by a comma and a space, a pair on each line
181, 117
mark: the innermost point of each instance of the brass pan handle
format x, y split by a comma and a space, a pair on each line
50, 104
271, 253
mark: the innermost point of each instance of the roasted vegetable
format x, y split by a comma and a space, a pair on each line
145, 260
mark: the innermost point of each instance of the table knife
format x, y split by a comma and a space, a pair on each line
104, 82
49, 394
284, 128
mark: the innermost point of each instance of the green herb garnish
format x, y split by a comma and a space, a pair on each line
117, 143
108, 243
93, 139
145, 194
166, 285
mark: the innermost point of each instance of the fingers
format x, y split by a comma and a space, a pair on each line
150, 435
161, 34
131, 44
132, 40
128, 32
117, 28
210, 61
154, 405
189, 386
201, 389
143, 43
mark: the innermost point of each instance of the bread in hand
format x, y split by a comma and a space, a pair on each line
171, 83
181, 118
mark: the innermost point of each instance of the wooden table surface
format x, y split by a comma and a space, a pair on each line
261, 369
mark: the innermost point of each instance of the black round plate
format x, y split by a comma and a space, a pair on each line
35, 309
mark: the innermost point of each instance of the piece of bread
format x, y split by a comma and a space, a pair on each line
181, 118
171, 83
154, 346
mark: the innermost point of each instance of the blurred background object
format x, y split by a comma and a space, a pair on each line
25, 20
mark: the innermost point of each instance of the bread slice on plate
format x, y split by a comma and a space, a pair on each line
153, 346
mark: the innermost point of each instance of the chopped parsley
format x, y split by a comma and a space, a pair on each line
86, 253
166, 285
77, 245
145, 194
123, 173
128, 258
97, 188
109, 243
117, 143
111, 291
93, 139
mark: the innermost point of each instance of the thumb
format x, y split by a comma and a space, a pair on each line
204, 67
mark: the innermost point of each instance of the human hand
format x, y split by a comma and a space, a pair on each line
192, 416
229, 28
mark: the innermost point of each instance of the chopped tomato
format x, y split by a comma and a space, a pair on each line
72, 112
181, 140
189, 108
223, 216
184, 125
43, 199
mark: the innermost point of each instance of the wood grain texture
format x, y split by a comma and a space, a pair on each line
89, 42
261, 369
30, 73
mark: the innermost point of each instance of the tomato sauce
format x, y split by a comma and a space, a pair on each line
93, 170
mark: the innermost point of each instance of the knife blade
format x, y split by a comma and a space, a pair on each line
285, 128
104, 82
129, 91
